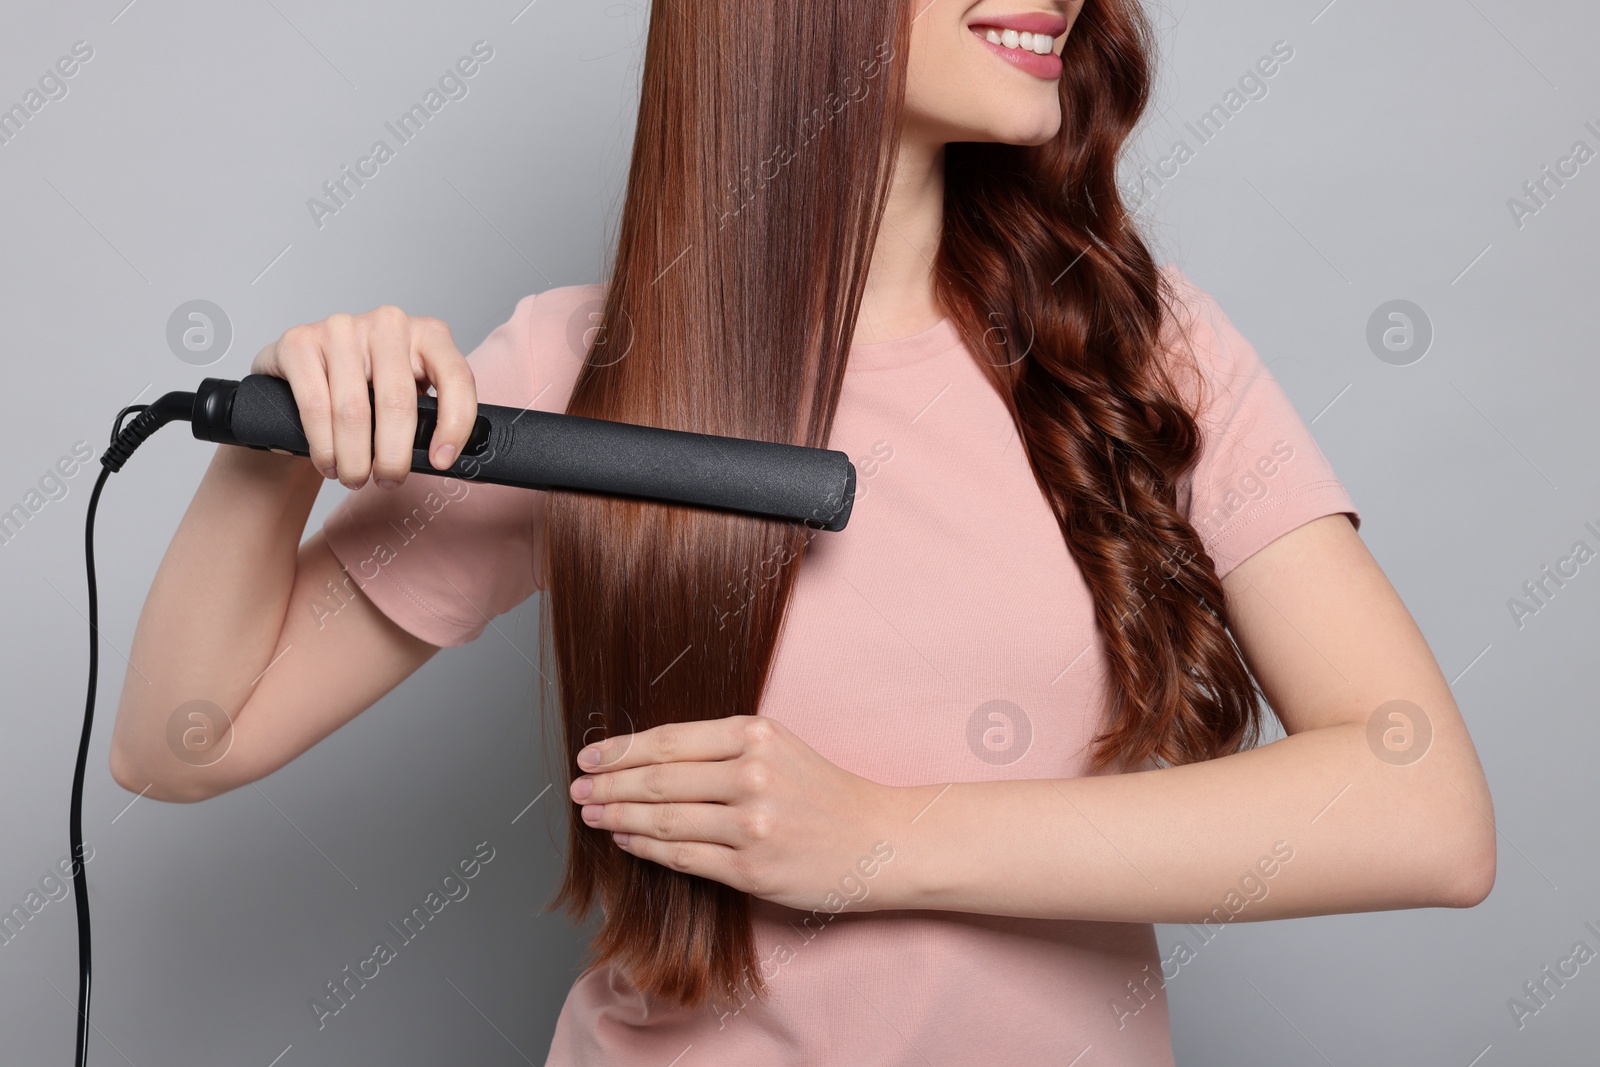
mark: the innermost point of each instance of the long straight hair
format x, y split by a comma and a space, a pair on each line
762, 158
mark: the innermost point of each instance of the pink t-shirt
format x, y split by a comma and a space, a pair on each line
944, 635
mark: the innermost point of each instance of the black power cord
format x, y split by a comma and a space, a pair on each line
123, 442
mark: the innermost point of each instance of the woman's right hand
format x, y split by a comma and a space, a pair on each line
329, 365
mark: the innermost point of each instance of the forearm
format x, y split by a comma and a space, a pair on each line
1175, 844
215, 608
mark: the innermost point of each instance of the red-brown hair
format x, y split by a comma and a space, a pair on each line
764, 148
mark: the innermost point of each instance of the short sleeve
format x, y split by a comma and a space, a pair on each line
442, 556
1260, 473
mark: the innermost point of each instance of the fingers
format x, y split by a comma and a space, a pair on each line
714, 823
708, 739
356, 380
702, 839
297, 356
352, 411
394, 394
457, 390
694, 782
691, 857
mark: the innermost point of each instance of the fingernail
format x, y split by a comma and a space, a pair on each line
331, 471
387, 483
590, 756
591, 812
446, 455
582, 788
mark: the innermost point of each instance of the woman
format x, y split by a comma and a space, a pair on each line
1010, 722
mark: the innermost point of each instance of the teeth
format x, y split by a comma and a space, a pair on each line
1037, 43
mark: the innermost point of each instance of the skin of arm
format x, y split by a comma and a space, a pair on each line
253, 646
1329, 641
238, 616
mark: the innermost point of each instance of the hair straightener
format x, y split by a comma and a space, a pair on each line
507, 446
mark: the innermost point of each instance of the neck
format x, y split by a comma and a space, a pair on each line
899, 299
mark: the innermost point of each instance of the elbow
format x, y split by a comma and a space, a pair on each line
1473, 875
1468, 864
129, 776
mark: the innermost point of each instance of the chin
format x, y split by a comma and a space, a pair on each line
1016, 116
1006, 112
1039, 133
1011, 130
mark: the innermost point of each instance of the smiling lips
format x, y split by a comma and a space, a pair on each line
1025, 41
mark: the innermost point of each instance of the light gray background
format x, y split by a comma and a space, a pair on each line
1377, 167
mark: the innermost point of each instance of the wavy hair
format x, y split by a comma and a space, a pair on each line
755, 194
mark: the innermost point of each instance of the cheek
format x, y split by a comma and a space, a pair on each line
927, 69
937, 92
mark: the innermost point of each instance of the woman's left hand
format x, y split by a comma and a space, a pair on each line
743, 801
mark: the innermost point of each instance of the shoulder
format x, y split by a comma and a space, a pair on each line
1259, 472
554, 313
1193, 320
532, 359
557, 324
1210, 361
